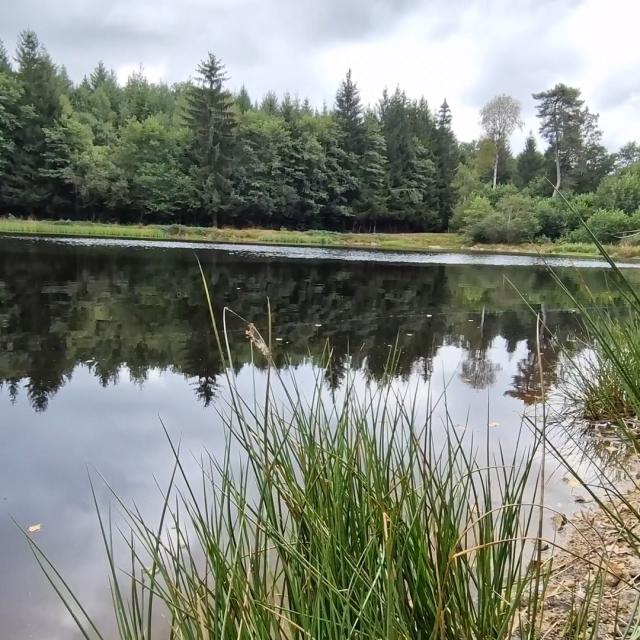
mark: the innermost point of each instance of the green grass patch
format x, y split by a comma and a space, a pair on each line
427, 242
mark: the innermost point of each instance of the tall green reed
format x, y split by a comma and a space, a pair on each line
330, 518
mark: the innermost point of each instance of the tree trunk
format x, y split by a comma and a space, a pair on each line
558, 175
495, 168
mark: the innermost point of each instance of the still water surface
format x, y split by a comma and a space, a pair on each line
100, 340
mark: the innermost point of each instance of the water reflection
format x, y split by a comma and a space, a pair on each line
96, 342
109, 307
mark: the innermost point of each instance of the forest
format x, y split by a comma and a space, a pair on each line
194, 153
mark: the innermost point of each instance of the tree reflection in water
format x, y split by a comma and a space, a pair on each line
114, 307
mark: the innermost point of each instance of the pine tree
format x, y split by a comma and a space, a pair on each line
269, 104
243, 100
5, 63
348, 113
10, 107
561, 121
24, 188
39, 78
210, 118
137, 96
289, 108
422, 122
447, 160
594, 162
372, 178
394, 115
99, 75
530, 163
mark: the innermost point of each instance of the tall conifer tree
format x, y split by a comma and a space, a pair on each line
348, 113
210, 117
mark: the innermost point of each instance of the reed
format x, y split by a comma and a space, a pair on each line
330, 518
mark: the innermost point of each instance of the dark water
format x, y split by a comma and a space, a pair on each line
98, 341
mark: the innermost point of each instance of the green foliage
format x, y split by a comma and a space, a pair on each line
628, 155
551, 218
372, 205
269, 104
529, 163
211, 121
501, 191
513, 220
5, 63
10, 112
471, 212
348, 113
466, 183
243, 100
574, 138
150, 156
621, 191
415, 163
447, 159
608, 226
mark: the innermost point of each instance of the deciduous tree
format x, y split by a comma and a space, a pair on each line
500, 117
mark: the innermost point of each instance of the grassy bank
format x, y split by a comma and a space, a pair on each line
384, 241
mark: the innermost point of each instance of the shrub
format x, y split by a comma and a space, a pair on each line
514, 221
552, 219
470, 211
499, 193
540, 187
583, 204
621, 191
608, 225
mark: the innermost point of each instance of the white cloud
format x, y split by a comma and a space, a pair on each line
464, 50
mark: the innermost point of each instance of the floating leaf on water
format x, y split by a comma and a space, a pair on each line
34, 528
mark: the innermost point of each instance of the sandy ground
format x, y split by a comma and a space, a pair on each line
596, 554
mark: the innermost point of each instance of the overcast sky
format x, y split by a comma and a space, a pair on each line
464, 50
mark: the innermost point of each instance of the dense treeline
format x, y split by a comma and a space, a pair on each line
194, 153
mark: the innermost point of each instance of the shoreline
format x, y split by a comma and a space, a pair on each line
388, 242
594, 548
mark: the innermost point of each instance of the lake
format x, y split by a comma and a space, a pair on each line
101, 340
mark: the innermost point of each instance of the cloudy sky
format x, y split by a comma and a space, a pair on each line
464, 50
